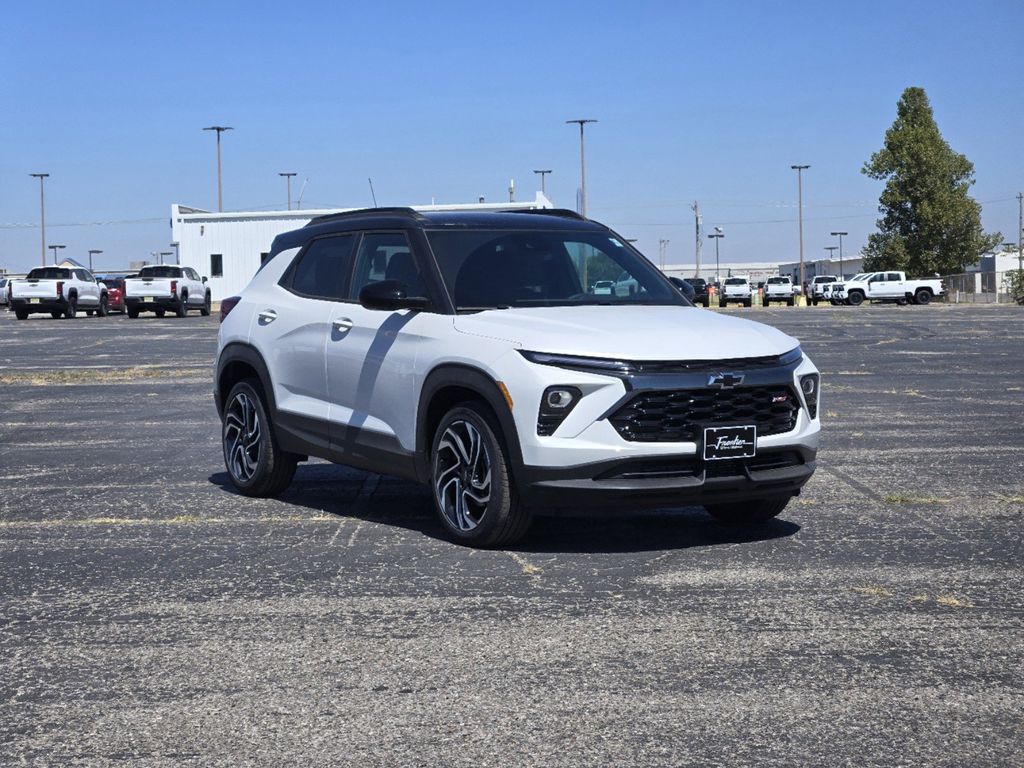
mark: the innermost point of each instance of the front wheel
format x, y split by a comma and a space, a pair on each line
473, 490
748, 512
255, 462
104, 307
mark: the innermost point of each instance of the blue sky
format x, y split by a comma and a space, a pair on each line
448, 101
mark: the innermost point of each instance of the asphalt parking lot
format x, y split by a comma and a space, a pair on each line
149, 616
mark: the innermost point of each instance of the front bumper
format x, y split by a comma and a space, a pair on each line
671, 481
40, 304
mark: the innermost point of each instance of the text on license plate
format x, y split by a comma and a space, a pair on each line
730, 442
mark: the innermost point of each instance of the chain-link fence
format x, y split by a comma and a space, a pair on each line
979, 288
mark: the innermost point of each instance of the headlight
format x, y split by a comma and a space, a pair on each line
578, 363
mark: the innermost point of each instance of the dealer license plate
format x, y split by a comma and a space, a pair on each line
730, 442
147, 299
33, 301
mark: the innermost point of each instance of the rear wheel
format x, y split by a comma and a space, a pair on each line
22, 314
182, 309
923, 296
72, 309
748, 512
473, 490
722, 302
747, 302
855, 298
161, 312
707, 303
132, 313
205, 310
790, 301
255, 462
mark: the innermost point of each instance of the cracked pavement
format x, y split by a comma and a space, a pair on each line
148, 615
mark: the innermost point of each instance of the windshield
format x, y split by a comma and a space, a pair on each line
492, 269
160, 272
736, 281
49, 273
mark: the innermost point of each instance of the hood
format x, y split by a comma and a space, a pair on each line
628, 332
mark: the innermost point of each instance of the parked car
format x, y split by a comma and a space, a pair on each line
836, 292
115, 292
462, 350
700, 290
5, 292
604, 287
737, 290
893, 286
61, 291
159, 288
780, 288
684, 288
818, 285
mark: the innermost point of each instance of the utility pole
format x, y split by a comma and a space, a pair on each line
542, 174
717, 235
840, 235
698, 222
54, 248
662, 252
92, 252
1020, 231
288, 178
583, 166
800, 192
42, 213
219, 129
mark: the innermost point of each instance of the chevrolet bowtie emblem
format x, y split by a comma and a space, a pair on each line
725, 380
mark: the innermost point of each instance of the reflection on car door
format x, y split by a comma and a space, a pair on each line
371, 354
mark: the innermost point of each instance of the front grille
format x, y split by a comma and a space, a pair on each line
681, 415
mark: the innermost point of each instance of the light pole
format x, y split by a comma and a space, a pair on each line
800, 193
840, 235
288, 177
717, 235
91, 253
542, 174
219, 129
54, 248
583, 166
42, 213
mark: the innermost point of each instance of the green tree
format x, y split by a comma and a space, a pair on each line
929, 223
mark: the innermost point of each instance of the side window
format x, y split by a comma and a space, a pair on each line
263, 258
877, 278
217, 265
386, 256
322, 271
893, 277
194, 275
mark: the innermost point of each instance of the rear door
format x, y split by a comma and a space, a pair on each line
292, 327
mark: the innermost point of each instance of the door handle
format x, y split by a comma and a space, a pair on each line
343, 324
267, 316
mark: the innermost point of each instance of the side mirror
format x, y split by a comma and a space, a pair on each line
204, 279
390, 295
684, 287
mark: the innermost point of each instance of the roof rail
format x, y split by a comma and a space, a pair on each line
361, 212
564, 213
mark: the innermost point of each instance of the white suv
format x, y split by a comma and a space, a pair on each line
474, 353
736, 289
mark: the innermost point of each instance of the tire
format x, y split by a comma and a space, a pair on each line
205, 309
747, 302
790, 302
104, 308
22, 314
767, 302
468, 449
72, 309
722, 303
814, 302
855, 298
182, 309
160, 312
132, 313
255, 462
748, 512
923, 296
707, 303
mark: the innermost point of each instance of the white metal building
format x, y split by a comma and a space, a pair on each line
228, 247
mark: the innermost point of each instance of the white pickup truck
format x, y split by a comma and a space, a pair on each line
159, 288
61, 291
735, 289
888, 286
780, 288
818, 285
